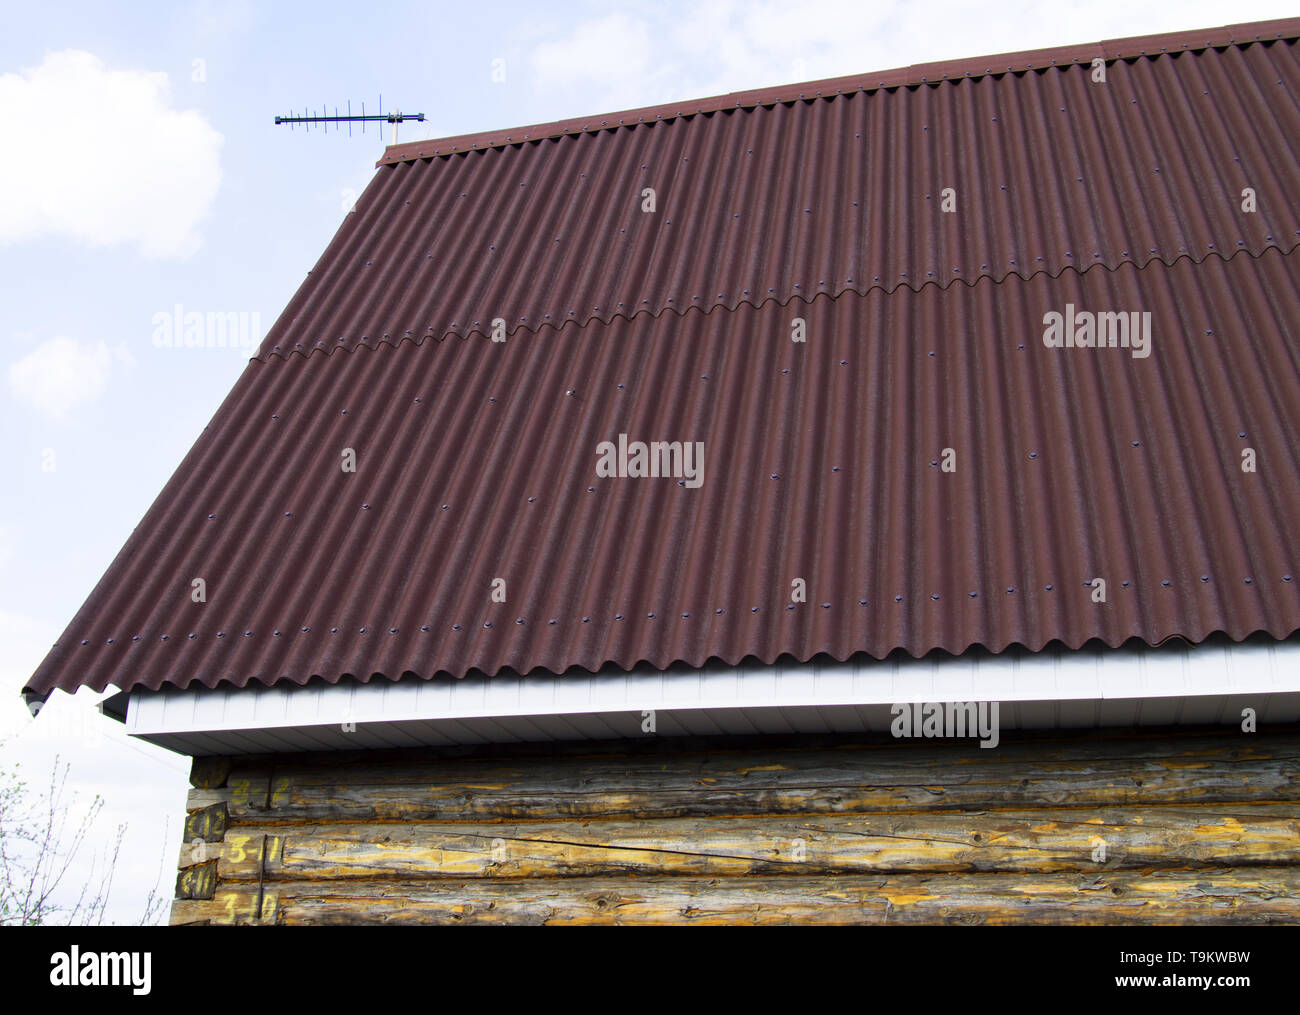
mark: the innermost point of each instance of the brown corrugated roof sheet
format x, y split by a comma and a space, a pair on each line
824, 459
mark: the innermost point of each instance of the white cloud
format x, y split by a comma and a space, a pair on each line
711, 47
61, 374
100, 156
613, 53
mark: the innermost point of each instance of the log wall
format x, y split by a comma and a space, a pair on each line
1171, 827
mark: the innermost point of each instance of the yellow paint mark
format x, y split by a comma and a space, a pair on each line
1051, 826
484, 785
905, 899
1187, 764
762, 768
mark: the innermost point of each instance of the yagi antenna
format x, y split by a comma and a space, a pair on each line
308, 118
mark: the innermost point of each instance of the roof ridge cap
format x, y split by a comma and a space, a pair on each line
913, 74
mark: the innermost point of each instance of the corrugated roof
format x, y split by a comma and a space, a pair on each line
823, 459
1049, 170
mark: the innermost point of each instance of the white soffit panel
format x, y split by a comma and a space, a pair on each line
1206, 684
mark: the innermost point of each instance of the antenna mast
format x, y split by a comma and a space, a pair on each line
308, 118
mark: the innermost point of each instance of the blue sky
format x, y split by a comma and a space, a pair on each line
141, 170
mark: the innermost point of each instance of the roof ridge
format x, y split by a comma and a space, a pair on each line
1132, 47
970, 283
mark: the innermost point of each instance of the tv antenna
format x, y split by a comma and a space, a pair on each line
325, 119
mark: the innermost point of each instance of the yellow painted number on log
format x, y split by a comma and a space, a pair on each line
240, 789
230, 907
236, 852
280, 794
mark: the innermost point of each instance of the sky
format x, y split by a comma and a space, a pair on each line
142, 178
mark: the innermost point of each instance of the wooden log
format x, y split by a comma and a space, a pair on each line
209, 772
206, 825
1222, 770
197, 882
1243, 896
728, 847
228, 907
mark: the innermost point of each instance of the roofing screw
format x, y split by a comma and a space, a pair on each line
455, 627
1249, 581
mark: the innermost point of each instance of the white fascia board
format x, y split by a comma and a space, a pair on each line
1206, 683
